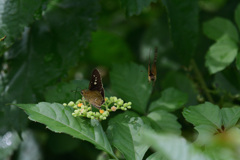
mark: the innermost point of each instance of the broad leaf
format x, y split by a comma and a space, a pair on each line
183, 19
230, 116
162, 121
135, 7
59, 119
204, 114
173, 147
130, 82
217, 27
8, 143
171, 100
125, 132
221, 54
15, 15
237, 16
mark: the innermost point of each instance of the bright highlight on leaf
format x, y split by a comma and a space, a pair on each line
83, 109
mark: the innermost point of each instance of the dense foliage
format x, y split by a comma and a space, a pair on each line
48, 49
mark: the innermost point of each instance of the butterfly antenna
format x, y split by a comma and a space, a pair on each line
75, 92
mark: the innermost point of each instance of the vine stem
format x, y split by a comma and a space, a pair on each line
201, 80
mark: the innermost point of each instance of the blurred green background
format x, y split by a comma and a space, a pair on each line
51, 47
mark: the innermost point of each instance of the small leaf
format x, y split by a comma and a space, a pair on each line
171, 99
217, 27
125, 133
135, 7
204, 114
173, 147
59, 119
221, 54
130, 82
237, 16
164, 121
230, 116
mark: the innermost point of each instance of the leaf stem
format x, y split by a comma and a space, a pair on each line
201, 81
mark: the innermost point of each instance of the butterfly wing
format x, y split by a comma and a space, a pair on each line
96, 83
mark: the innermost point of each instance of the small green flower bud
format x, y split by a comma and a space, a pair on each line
129, 103
65, 104
75, 106
129, 107
104, 118
97, 114
89, 108
122, 108
120, 102
114, 99
92, 117
101, 117
71, 104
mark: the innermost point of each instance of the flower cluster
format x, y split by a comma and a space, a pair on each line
83, 109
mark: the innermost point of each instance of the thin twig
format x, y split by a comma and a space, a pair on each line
201, 81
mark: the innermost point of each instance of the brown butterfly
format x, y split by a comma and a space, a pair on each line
152, 72
95, 93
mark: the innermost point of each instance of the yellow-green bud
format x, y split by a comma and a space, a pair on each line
71, 104
65, 104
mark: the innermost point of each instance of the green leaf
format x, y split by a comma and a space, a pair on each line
15, 15
206, 133
183, 84
204, 114
238, 61
173, 147
163, 121
183, 19
171, 100
9, 142
135, 7
130, 82
237, 16
118, 51
230, 116
125, 133
217, 27
59, 119
221, 54
156, 156
65, 92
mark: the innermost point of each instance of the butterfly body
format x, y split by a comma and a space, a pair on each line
95, 93
152, 71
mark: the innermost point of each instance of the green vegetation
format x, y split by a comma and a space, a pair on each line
48, 50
